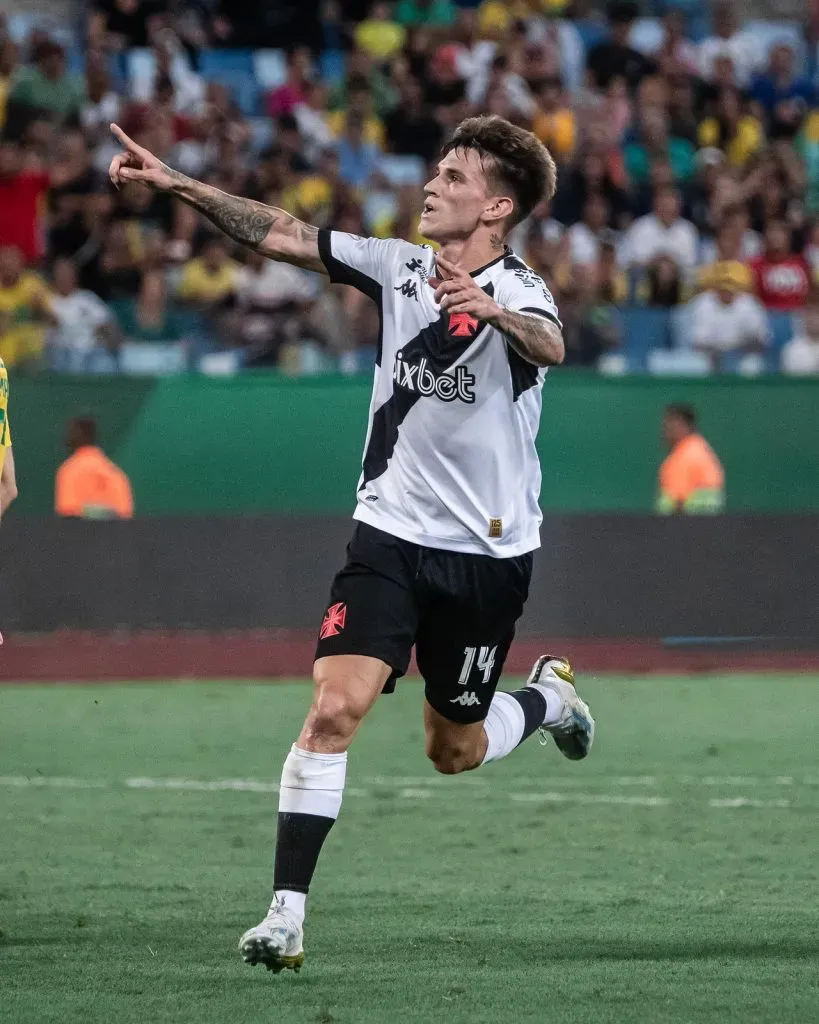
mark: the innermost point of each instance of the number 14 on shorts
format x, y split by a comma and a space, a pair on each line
486, 661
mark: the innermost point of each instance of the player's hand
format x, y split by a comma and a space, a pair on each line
137, 164
459, 293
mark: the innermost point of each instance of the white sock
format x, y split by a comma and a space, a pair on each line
511, 718
554, 705
503, 726
312, 785
294, 901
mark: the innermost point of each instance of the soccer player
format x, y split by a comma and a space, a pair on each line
8, 480
447, 512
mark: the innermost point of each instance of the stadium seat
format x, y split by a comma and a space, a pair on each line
782, 330
402, 170
212, 63
269, 68
613, 364
262, 133
647, 35
220, 364
678, 363
21, 24
332, 66
140, 71
745, 364
591, 32
644, 329
233, 69
681, 327
152, 359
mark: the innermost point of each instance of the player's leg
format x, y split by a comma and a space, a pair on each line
548, 704
464, 636
345, 688
364, 645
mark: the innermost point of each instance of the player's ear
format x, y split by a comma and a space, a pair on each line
499, 208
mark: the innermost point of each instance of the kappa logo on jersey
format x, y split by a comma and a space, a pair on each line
466, 700
334, 620
417, 267
462, 325
408, 288
420, 379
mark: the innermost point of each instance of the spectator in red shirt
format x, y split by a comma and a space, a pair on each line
781, 276
22, 192
287, 97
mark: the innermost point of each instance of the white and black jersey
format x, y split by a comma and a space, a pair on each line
449, 459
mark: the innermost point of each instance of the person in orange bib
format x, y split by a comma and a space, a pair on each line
692, 479
89, 485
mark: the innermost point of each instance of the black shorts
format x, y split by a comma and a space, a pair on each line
459, 610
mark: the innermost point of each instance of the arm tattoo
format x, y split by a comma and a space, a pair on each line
243, 220
538, 340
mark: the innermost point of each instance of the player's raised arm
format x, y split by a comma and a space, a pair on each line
268, 230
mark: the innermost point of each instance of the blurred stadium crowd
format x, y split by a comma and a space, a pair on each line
684, 237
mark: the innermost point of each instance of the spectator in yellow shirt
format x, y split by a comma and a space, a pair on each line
379, 35
359, 104
23, 309
554, 123
734, 243
496, 17
8, 63
211, 278
738, 135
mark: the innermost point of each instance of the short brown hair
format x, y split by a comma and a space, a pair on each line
518, 160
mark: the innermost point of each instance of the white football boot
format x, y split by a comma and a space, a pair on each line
573, 732
276, 942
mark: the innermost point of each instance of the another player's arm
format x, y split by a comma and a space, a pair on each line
267, 229
8, 482
537, 339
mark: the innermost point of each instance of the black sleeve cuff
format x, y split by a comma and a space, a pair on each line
341, 273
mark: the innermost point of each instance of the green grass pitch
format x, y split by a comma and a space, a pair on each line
670, 878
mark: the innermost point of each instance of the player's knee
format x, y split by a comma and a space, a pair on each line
451, 759
335, 713
332, 715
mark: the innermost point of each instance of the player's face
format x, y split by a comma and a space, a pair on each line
674, 429
457, 198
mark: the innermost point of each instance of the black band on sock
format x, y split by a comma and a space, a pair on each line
533, 704
298, 844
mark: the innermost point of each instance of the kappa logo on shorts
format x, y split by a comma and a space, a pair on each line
334, 620
466, 700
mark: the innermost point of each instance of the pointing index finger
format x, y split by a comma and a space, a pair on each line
126, 141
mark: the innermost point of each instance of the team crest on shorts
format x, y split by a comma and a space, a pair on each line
334, 620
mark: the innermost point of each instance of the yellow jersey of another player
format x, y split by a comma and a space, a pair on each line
5, 432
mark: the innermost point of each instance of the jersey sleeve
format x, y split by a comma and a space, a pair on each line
365, 263
523, 291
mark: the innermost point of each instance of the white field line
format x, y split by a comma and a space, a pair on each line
422, 788
53, 782
744, 801
591, 798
